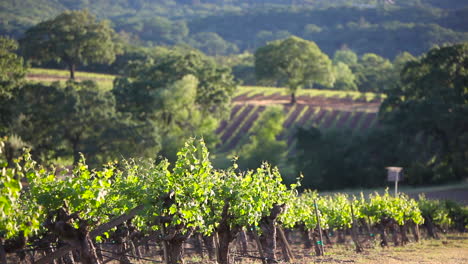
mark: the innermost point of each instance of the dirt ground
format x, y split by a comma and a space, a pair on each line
451, 249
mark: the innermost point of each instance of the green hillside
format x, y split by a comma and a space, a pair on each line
220, 27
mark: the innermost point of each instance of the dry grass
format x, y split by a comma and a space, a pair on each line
104, 81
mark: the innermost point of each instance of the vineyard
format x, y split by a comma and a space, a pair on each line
140, 210
320, 108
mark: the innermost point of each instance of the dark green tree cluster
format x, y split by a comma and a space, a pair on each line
12, 72
60, 121
430, 107
163, 96
363, 25
263, 145
184, 93
422, 127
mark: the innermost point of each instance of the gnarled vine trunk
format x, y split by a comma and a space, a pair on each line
226, 235
175, 251
305, 236
268, 237
209, 244
430, 227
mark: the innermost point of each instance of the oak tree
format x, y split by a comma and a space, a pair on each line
294, 62
73, 37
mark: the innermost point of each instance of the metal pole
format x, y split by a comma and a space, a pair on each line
396, 184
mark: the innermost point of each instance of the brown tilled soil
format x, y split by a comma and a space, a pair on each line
342, 104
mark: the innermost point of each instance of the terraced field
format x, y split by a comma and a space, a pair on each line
323, 109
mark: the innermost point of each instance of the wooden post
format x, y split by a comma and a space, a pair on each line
290, 256
259, 246
319, 229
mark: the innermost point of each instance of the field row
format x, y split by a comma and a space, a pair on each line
243, 117
250, 91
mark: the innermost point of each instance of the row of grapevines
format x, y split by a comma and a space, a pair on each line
176, 201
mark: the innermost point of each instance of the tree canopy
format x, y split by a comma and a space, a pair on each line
431, 105
12, 72
73, 37
59, 121
184, 93
294, 62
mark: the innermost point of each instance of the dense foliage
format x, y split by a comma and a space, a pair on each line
73, 37
220, 27
82, 205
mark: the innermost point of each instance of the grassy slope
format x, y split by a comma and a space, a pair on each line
105, 81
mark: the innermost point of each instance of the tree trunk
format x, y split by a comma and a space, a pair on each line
340, 236
318, 249
395, 236
268, 237
383, 236
72, 67
243, 242
209, 244
415, 231
3, 258
431, 231
76, 154
175, 251
224, 247
69, 258
293, 97
305, 237
404, 234
327, 238
226, 235
198, 245
88, 251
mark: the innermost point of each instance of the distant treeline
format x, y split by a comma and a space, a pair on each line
221, 27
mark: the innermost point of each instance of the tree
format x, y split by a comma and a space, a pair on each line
399, 64
185, 94
431, 103
345, 79
73, 37
346, 56
213, 94
213, 44
373, 73
12, 72
263, 145
294, 62
60, 121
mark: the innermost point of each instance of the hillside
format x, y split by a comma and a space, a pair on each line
320, 108
220, 27
324, 109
